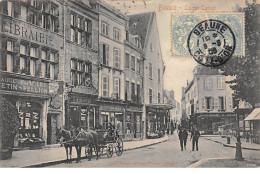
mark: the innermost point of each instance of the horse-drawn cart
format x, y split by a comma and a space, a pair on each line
108, 142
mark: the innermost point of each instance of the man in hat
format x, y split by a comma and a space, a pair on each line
195, 138
183, 134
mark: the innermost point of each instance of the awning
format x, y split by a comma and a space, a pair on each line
254, 115
163, 106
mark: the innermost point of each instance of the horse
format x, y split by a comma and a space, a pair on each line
65, 137
78, 139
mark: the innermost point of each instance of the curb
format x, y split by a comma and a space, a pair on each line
45, 164
232, 146
196, 164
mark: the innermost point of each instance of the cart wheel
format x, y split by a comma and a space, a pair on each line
88, 151
109, 150
119, 146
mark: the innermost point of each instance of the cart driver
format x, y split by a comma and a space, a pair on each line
111, 129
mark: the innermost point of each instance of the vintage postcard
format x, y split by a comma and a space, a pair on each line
129, 84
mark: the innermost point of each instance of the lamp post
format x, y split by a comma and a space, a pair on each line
238, 156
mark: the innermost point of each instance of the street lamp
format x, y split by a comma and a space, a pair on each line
238, 156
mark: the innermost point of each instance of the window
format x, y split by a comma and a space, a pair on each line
10, 46
138, 65
208, 82
159, 76
203, 103
86, 26
52, 10
23, 58
138, 93
34, 18
81, 73
150, 96
79, 22
32, 67
221, 103
117, 86
137, 41
43, 6
34, 3
116, 34
23, 13
79, 38
88, 33
117, 58
104, 28
73, 19
150, 71
159, 97
127, 60
127, 35
44, 21
72, 35
209, 103
9, 63
127, 97
23, 49
133, 92
105, 49
105, 87
133, 63
44, 63
33, 51
10, 8
221, 83
52, 65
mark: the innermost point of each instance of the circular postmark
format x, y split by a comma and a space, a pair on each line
211, 43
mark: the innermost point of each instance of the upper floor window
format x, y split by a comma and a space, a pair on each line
127, 92
117, 58
221, 83
81, 73
105, 86
10, 46
208, 83
73, 19
127, 35
104, 28
127, 60
159, 97
133, 63
34, 3
138, 65
10, 9
105, 54
117, 87
116, 34
221, 103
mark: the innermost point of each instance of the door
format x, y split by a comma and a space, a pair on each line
51, 129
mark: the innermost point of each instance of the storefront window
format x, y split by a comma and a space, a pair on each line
29, 115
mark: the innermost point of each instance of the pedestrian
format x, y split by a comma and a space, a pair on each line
183, 135
195, 134
247, 136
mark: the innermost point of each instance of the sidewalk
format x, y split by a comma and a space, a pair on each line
49, 156
225, 163
233, 140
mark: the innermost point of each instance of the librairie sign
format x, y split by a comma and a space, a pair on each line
21, 85
26, 31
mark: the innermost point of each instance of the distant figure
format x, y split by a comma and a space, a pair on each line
183, 135
195, 134
247, 136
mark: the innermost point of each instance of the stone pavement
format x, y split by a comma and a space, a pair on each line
49, 156
245, 145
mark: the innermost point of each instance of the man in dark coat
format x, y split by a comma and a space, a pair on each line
183, 134
195, 138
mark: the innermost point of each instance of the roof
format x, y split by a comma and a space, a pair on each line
254, 115
203, 70
139, 25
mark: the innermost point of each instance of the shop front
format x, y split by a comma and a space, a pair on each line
157, 119
31, 97
111, 112
81, 111
208, 123
133, 121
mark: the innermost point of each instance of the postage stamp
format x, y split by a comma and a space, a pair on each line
183, 24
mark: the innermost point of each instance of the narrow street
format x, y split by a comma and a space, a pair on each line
167, 154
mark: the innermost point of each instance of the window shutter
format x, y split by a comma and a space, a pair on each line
3, 62
216, 103
107, 54
203, 103
212, 103
101, 53
48, 21
224, 103
119, 59
89, 26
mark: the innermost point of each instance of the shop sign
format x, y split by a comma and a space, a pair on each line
217, 114
77, 99
21, 85
22, 30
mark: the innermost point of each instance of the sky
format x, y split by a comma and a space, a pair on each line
178, 69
